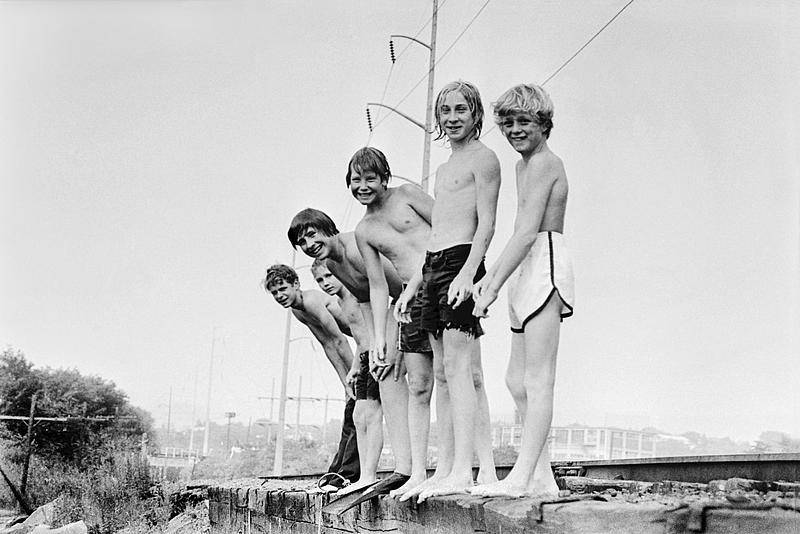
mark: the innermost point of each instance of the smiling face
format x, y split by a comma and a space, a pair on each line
326, 281
284, 293
366, 185
314, 243
455, 118
522, 131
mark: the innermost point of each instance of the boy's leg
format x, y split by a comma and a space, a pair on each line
540, 342
444, 425
457, 358
419, 368
394, 397
515, 381
346, 462
368, 419
487, 473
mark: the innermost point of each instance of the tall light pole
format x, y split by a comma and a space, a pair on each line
229, 415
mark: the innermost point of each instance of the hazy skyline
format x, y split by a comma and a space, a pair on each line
153, 153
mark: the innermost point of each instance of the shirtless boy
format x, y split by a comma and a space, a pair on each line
322, 315
367, 415
462, 225
541, 291
317, 236
397, 225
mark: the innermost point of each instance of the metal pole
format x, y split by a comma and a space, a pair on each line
271, 404
194, 406
426, 150
299, 402
277, 469
169, 417
208, 398
325, 421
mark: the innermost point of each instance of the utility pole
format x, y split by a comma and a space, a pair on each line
325, 419
28, 447
426, 149
277, 469
299, 401
169, 416
194, 406
271, 404
208, 398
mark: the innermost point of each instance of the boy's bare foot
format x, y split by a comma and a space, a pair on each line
449, 485
501, 488
416, 490
486, 476
545, 488
412, 483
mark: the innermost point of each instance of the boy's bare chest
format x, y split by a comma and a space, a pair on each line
453, 178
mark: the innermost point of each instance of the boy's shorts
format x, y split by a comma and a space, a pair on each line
411, 336
440, 269
366, 386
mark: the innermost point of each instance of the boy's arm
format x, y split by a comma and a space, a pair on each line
533, 201
378, 298
333, 342
420, 201
487, 188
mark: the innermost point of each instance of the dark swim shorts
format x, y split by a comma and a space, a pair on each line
411, 336
440, 269
366, 386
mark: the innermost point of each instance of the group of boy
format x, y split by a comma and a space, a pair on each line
410, 286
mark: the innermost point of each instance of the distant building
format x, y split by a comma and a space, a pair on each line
579, 442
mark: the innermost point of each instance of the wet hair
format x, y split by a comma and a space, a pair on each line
279, 273
369, 159
310, 218
318, 264
526, 98
473, 98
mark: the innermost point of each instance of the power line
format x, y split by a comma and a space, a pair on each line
437, 61
399, 55
573, 56
587, 42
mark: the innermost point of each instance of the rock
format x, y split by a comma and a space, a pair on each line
44, 515
78, 527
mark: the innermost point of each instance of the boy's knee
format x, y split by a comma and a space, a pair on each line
420, 387
477, 378
516, 386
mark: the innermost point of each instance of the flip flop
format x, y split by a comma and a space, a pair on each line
385, 485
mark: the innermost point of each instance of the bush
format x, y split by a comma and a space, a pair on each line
109, 491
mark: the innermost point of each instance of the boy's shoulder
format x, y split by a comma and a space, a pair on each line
316, 299
546, 162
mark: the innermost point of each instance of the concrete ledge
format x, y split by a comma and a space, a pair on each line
287, 506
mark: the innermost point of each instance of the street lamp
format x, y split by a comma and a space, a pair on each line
229, 415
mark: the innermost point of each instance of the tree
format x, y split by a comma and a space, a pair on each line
66, 393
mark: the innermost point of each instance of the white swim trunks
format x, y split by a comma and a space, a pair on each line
545, 271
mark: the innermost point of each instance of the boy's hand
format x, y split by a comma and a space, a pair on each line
385, 364
460, 289
484, 299
401, 311
351, 377
348, 392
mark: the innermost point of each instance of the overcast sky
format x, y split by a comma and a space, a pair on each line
153, 153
